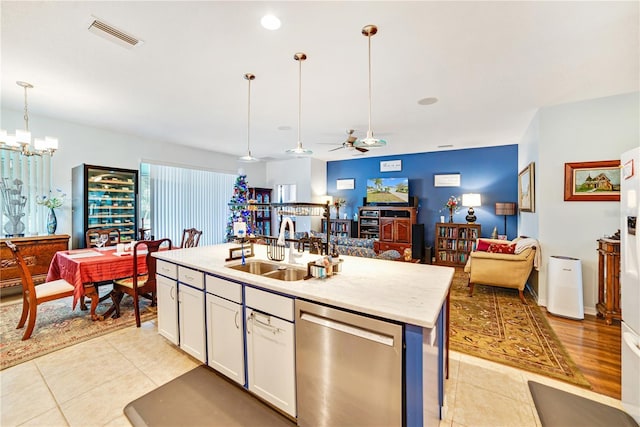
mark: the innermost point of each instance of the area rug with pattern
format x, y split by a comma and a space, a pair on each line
57, 326
495, 325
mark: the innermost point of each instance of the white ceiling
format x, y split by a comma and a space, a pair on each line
490, 64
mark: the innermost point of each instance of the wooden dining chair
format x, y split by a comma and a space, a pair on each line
93, 234
32, 295
140, 284
190, 238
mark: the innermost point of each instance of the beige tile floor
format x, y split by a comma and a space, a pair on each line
89, 384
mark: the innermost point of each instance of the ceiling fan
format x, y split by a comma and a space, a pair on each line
348, 144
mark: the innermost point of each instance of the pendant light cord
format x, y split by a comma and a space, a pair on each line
369, 40
299, 99
249, 119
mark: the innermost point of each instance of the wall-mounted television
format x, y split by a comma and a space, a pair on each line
383, 191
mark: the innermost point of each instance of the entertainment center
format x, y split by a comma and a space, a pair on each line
391, 225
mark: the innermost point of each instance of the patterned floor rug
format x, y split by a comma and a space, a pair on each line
495, 325
58, 327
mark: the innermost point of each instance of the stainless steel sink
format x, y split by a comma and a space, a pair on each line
288, 274
271, 270
256, 267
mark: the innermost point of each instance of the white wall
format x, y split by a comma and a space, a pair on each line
592, 130
310, 177
527, 153
84, 144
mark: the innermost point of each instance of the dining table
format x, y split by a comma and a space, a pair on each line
84, 268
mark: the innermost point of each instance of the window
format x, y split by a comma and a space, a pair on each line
24, 178
175, 198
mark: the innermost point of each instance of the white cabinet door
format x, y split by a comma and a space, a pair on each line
225, 337
167, 295
191, 315
271, 360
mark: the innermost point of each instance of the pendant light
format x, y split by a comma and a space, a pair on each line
370, 141
299, 151
21, 141
249, 158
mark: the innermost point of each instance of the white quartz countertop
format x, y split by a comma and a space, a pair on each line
401, 291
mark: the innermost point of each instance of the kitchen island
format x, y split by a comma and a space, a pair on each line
410, 296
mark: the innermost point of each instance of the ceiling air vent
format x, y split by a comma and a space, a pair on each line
113, 34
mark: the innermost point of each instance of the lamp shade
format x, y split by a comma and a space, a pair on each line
471, 199
505, 208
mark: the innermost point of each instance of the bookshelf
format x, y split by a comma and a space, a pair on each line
454, 242
341, 227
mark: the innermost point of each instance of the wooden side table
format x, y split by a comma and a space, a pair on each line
608, 305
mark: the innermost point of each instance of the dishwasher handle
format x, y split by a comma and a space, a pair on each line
348, 329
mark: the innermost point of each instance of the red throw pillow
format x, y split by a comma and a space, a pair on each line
501, 248
483, 245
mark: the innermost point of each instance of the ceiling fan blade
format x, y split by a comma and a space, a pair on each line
360, 149
334, 149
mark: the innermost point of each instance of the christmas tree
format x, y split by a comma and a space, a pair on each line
238, 206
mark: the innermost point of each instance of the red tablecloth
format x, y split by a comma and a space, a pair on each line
80, 267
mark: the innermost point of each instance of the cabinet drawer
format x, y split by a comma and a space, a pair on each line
167, 269
269, 303
191, 277
224, 288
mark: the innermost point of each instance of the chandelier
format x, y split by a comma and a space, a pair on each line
21, 140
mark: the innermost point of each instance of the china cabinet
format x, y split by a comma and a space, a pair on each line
104, 197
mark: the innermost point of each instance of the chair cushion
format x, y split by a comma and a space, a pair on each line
53, 288
501, 248
128, 281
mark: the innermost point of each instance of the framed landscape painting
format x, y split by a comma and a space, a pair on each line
526, 190
592, 181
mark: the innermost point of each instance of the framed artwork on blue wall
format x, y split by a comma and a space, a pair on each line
446, 180
345, 184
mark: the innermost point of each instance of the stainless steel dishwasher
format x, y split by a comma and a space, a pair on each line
348, 368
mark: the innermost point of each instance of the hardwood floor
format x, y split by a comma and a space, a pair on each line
595, 347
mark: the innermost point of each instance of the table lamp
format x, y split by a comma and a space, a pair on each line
471, 200
505, 208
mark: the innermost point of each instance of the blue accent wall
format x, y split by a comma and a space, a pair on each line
490, 171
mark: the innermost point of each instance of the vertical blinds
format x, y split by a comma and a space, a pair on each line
183, 198
35, 174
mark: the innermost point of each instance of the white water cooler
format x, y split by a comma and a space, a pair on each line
564, 286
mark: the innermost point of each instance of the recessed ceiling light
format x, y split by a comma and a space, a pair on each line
270, 22
427, 101
284, 127
445, 146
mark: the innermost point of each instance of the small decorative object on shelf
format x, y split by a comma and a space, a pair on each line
52, 202
14, 203
452, 205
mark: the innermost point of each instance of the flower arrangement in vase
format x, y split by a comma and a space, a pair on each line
52, 202
452, 205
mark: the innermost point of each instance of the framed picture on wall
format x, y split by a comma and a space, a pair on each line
526, 189
592, 181
345, 184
